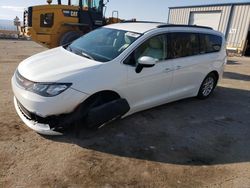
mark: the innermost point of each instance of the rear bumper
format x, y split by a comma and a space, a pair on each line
38, 127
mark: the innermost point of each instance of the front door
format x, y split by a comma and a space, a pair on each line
151, 86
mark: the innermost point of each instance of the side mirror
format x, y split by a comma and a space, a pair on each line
145, 61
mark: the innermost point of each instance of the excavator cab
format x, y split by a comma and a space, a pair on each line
57, 24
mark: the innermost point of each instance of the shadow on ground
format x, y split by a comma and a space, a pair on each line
188, 132
236, 76
231, 62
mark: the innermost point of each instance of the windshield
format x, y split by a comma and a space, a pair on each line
103, 44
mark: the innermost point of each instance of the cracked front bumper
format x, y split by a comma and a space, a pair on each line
38, 127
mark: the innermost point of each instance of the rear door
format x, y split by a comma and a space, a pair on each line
187, 62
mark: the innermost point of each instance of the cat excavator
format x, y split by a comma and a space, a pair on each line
54, 25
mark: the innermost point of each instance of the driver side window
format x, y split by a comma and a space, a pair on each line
155, 47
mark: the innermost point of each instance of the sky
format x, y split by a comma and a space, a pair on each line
156, 10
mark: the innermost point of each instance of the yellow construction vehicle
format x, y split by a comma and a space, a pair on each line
57, 24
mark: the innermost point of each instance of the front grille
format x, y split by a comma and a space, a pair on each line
55, 122
32, 116
52, 121
24, 111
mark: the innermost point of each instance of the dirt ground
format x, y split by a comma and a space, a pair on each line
190, 143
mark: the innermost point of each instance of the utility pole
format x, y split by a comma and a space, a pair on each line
17, 24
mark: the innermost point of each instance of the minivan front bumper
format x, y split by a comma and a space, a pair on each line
41, 128
46, 115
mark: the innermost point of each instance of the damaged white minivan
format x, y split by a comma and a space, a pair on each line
115, 71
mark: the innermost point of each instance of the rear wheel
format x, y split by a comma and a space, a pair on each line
207, 86
69, 37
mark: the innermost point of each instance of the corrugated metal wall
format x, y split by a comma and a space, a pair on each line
238, 26
234, 21
181, 16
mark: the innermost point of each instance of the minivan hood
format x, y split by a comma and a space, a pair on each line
53, 65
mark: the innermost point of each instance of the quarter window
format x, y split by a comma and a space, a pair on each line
184, 44
210, 43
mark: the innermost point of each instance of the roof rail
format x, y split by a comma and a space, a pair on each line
135, 21
182, 25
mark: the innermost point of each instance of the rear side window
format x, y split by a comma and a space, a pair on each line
210, 43
184, 44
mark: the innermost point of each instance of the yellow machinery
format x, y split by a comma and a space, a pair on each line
56, 24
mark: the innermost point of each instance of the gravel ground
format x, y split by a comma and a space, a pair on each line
189, 143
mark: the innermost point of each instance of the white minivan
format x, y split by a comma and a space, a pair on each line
115, 71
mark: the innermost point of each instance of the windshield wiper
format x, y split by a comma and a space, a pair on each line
79, 52
86, 55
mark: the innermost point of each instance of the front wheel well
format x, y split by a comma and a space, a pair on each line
108, 95
103, 107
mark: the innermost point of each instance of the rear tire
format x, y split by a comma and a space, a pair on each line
69, 37
207, 86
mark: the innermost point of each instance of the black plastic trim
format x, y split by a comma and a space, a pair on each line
107, 112
182, 25
134, 21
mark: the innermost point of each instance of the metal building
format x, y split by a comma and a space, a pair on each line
231, 19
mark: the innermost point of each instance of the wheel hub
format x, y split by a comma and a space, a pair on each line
208, 86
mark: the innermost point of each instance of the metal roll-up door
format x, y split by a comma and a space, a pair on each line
210, 19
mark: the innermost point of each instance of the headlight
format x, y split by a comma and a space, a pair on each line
49, 89
43, 89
